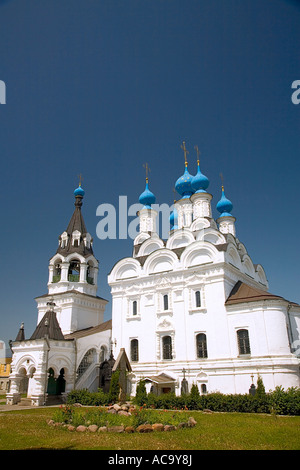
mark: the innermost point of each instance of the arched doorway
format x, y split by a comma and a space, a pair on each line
24, 381
56, 386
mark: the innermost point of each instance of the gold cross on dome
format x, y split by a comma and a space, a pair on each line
198, 153
185, 152
80, 179
222, 179
146, 166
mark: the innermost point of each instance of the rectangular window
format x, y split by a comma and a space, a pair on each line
134, 350
167, 347
198, 299
201, 345
243, 342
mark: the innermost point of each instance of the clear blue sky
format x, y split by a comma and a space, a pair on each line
101, 87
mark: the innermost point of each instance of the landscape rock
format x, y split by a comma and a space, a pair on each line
157, 427
169, 427
129, 429
71, 428
102, 429
116, 407
123, 413
191, 422
51, 422
112, 411
92, 428
81, 428
144, 428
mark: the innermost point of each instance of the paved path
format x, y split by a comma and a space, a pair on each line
22, 407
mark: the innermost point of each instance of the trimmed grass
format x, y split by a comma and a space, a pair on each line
28, 429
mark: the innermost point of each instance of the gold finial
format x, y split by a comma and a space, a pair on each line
185, 152
80, 179
146, 166
198, 153
222, 179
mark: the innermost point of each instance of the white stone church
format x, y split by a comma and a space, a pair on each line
191, 307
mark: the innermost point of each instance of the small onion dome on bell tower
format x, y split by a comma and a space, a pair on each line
147, 214
226, 220
184, 184
79, 191
224, 206
147, 197
76, 239
200, 182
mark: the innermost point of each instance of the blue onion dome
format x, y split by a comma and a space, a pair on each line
147, 198
224, 206
184, 184
200, 182
173, 219
79, 191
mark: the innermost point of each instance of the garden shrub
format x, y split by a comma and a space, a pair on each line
279, 401
141, 393
114, 388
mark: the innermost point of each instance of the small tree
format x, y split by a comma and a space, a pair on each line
114, 388
260, 388
141, 393
194, 392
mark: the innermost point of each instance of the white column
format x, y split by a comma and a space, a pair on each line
64, 271
83, 270
51, 271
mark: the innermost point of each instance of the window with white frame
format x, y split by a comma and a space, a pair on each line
243, 341
201, 345
167, 347
133, 308
197, 299
134, 350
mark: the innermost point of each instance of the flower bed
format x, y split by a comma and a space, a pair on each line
117, 418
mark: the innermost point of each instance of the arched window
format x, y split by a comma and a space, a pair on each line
57, 271
203, 389
198, 299
167, 347
243, 342
134, 350
201, 345
74, 271
87, 360
134, 307
166, 302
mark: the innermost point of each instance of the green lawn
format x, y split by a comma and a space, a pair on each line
28, 429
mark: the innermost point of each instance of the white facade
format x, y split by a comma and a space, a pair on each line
173, 314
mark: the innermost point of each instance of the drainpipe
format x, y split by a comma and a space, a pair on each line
46, 375
75, 361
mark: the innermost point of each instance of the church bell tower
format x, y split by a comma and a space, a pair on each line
73, 272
